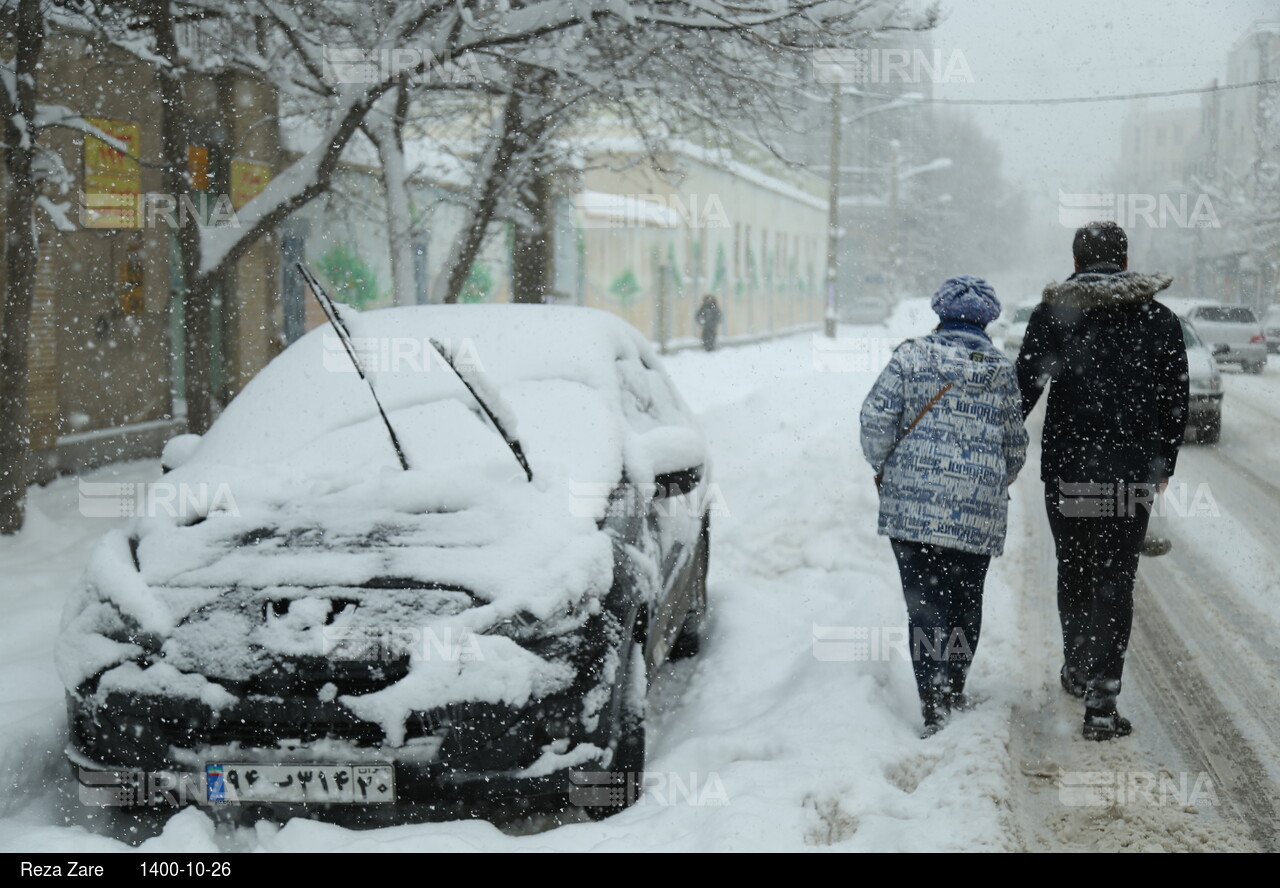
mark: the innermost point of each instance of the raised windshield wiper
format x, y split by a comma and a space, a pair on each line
344, 335
476, 384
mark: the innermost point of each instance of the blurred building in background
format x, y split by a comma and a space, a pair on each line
639, 234
1237, 163
1157, 150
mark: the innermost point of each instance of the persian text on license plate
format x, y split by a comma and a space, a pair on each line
321, 784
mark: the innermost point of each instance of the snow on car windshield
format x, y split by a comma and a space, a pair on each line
568, 375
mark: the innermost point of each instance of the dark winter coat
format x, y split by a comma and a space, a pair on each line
708, 313
1118, 364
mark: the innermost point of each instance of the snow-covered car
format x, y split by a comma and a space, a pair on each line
1016, 330
1271, 328
1204, 420
308, 626
1233, 333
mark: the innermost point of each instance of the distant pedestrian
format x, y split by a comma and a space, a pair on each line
943, 429
1116, 365
708, 317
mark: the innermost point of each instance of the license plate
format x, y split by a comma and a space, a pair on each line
312, 784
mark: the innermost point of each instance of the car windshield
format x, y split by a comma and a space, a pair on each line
1215, 314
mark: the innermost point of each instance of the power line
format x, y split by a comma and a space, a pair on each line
1073, 100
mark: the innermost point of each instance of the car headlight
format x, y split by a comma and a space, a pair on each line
524, 627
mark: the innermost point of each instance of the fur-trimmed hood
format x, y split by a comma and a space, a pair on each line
1093, 290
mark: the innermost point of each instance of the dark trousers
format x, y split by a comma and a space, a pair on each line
943, 591
709, 336
1098, 531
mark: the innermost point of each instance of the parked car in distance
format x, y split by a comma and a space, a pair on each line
1204, 421
1016, 330
864, 310
1271, 328
337, 635
1233, 333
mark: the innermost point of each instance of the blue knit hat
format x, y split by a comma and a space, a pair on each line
966, 298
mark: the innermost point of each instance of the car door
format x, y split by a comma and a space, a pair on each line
656, 414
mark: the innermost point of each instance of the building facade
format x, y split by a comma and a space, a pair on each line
106, 377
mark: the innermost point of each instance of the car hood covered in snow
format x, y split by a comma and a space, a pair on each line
292, 524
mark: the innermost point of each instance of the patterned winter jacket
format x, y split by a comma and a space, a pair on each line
946, 482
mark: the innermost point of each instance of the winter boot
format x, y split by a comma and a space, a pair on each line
954, 696
934, 709
1102, 724
1101, 720
1072, 682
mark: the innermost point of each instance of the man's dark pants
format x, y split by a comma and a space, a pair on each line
943, 591
1097, 565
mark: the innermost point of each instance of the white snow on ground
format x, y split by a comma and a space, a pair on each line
38, 568
767, 741
1229, 497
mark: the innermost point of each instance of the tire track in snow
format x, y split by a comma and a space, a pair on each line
1199, 721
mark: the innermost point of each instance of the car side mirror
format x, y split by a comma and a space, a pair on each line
675, 457
178, 451
679, 483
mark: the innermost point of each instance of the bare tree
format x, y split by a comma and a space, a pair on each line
658, 78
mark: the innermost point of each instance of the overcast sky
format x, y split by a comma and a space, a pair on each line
1050, 48
1045, 48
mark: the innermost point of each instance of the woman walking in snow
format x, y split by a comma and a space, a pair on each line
943, 430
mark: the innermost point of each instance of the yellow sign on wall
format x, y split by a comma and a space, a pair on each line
248, 179
198, 167
112, 177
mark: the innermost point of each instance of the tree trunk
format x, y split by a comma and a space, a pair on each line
493, 172
387, 134
532, 255
21, 256
197, 302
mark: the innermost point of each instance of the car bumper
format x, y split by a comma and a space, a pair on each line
1243, 354
423, 793
1204, 405
154, 754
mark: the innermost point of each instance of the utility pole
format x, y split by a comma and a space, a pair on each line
832, 69
895, 173
833, 216
660, 316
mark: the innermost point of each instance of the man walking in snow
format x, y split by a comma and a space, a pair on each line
708, 317
1116, 416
